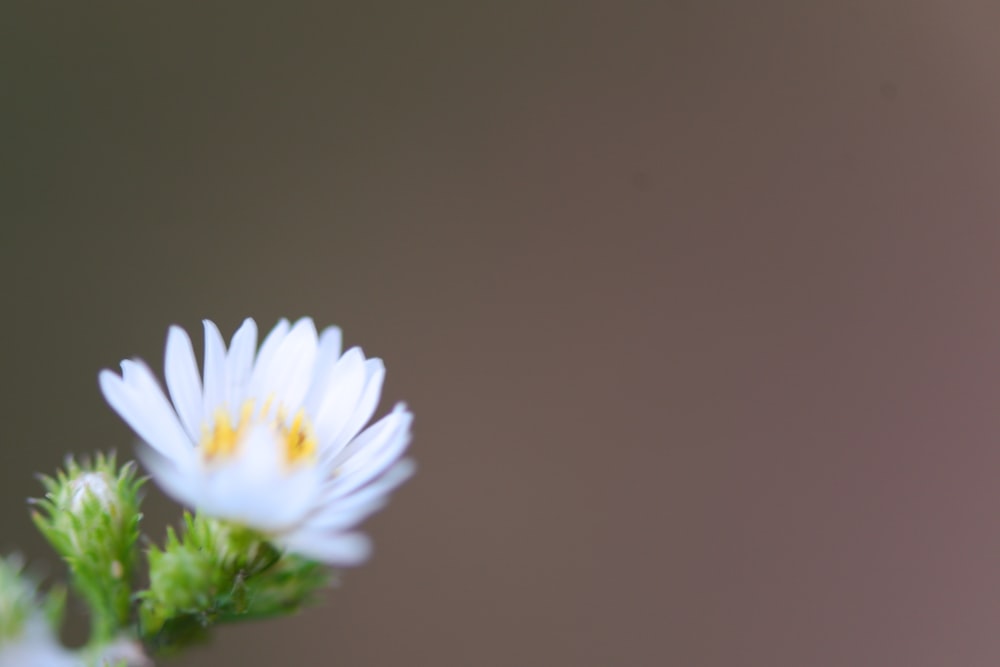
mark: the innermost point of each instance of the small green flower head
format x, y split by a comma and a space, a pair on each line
90, 515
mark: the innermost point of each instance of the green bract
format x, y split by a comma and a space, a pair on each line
218, 572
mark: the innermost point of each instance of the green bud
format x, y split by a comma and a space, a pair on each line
90, 515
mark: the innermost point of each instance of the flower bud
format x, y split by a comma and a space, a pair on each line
90, 515
96, 485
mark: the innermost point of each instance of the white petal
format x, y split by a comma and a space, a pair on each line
216, 384
363, 411
373, 439
346, 517
401, 471
327, 354
290, 371
345, 512
337, 549
183, 381
371, 453
153, 420
272, 342
179, 478
140, 378
340, 397
239, 363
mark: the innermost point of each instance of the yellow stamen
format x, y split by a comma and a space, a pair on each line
267, 405
300, 443
223, 438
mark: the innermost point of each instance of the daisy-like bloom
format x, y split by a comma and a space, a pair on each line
270, 439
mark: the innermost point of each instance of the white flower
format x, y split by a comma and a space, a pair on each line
36, 646
26, 637
272, 441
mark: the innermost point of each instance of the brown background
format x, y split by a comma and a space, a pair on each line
695, 302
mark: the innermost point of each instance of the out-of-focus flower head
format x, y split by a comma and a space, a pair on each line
28, 623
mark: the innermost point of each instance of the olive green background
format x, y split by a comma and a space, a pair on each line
695, 303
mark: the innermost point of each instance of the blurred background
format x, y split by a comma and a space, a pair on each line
695, 303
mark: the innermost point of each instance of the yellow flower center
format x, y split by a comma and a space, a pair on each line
222, 439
